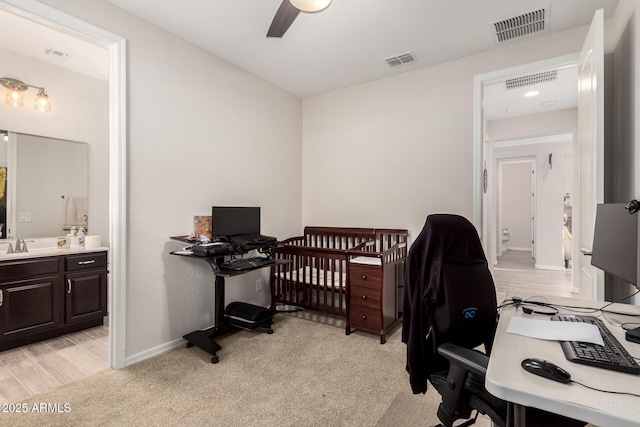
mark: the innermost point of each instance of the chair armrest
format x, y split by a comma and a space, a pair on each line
471, 360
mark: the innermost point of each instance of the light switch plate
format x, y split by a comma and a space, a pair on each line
24, 216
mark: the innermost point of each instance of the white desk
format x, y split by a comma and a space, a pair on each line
507, 380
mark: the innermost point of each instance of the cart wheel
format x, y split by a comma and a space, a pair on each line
269, 331
189, 345
215, 359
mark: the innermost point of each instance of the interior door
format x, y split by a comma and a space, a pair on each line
589, 185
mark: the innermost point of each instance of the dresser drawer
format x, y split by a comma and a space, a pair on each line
26, 269
85, 261
368, 276
365, 297
365, 318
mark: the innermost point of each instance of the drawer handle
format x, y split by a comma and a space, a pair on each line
68, 286
90, 261
1, 298
364, 317
364, 277
364, 297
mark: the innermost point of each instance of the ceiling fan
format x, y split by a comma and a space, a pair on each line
289, 10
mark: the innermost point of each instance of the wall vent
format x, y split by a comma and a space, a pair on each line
523, 25
56, 53
531, 79
394, 61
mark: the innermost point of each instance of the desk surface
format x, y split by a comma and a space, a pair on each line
507, 380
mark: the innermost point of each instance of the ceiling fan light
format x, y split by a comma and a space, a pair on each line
310, 6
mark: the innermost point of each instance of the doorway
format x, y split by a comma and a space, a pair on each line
116, 45
537, 240
515, 213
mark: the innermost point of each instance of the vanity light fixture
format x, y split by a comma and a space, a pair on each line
15, 94
310, 6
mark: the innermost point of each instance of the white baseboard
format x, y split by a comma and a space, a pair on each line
549, 267
518, 248
155, 351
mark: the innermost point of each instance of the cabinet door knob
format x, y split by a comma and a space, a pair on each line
364, 277
364, 297
364, 316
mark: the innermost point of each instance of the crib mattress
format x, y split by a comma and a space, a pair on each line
313, 276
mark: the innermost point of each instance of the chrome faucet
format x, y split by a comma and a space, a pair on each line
10, 248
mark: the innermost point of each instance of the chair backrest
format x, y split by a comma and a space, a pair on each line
466, 310
467, 314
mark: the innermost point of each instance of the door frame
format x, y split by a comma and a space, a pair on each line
483, 203
116, 46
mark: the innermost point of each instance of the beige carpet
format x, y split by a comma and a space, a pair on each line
305, 374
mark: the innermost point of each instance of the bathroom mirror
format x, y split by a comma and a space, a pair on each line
45, 185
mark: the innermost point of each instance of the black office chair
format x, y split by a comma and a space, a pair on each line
451, 300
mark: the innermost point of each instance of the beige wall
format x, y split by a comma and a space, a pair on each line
79, 113
385, 153
390, 152
200, 132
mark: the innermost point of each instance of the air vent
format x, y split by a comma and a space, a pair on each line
531, 79
400, 59
522, 25
55, 53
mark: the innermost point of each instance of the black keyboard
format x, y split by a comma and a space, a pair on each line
240, 264
611, 356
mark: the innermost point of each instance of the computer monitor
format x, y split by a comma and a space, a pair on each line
235, 221
615, 242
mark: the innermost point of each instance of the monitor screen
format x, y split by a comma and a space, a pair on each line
235, 221
615, 242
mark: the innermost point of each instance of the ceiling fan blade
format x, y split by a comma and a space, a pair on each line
285, 16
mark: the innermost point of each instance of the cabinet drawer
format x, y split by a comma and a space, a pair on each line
365, 297
85, 261
368, 276
365, 318
26, 269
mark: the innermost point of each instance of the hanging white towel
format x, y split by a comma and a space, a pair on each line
75, 211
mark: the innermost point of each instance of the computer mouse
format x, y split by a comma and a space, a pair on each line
546, 369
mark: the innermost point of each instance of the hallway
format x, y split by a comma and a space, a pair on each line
515, 272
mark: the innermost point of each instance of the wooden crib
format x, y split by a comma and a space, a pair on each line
317, 277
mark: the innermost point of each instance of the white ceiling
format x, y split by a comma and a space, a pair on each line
344, 45
347, 43
27, 38
499, 102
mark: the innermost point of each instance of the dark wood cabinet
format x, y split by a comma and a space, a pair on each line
373, 305
85, 287
29, 306
41, 298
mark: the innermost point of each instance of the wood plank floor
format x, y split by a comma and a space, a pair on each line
515, 272
42, 366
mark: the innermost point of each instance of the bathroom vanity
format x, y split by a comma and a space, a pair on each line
46, 293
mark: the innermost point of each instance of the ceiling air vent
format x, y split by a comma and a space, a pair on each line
522, 25
55, 53
531, 79
400, 59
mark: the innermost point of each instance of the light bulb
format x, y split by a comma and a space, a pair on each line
15, 98
42, 102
